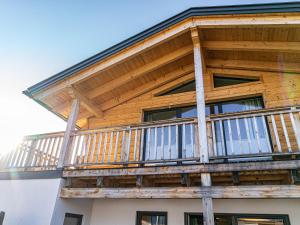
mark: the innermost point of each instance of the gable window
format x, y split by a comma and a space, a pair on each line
151, 218
2, 214
190, 86
239, 219
221, 81
73, 219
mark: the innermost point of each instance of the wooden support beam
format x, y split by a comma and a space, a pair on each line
149, 86
100, 182
139, 181
185, 179
253, 46
254, 65
295, 176
235, 178
87, 103
217, 192
200, 168
68, 182
123, 79
70, 128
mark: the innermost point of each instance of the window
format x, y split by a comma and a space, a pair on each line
2, 214
239, 219
221, 81
151, 218
73, 219
190, 86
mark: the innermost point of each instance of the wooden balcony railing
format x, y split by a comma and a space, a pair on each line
160, 142
255, 133
250, 134
34, 151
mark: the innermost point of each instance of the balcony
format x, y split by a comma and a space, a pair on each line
267, 134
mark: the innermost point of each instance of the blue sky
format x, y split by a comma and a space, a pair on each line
39, 38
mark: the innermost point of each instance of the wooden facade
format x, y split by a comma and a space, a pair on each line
108, 101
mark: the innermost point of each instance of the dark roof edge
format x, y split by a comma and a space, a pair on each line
197, 11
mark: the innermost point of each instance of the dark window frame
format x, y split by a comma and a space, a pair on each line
2, 215
176, 88
244, 80
139, 215
77, 216
235, 216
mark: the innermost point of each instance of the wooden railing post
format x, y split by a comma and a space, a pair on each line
70, 128
207, 202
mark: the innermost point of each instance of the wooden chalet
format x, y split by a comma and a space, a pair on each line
203, 107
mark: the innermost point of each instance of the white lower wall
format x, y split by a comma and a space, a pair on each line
37, 202
116, 212
28, 202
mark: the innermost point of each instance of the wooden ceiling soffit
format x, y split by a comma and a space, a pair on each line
119, 57
87, 103
253, 46
149, 86
149, 67
255, 65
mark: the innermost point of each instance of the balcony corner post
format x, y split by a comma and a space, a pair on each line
69, 129
207, 201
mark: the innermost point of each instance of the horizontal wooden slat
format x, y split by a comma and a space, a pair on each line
199, 168
229, 192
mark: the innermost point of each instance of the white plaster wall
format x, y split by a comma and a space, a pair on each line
28, 202
123, 212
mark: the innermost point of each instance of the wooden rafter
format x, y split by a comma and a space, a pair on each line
223, 192
253, 46
140, 71
149, 86
87, 103
254, 65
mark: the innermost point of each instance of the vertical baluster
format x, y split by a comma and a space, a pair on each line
87, 149
285, 133
183, 142
110, 146
148, 143
256, 131
135, 144
169, 142
128, 145
93, 148
104, 147
20, 153
162, 152
51, 156
82, 149
42, 151
214, 138
276, 134
230, 138
49, 149
176, 140
76, 143
99, 147
222, 138
59, 149
36, 155
248, 134
266, 132
295, 129
239, 135
116, 146
123, 147
142, 144
194, 140
155, 143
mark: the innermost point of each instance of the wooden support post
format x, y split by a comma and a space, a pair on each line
100, 182
68, 182
70, 128
235, 178
207, 203
139, 181
185, 180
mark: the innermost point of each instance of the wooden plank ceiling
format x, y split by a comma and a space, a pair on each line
260, 48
